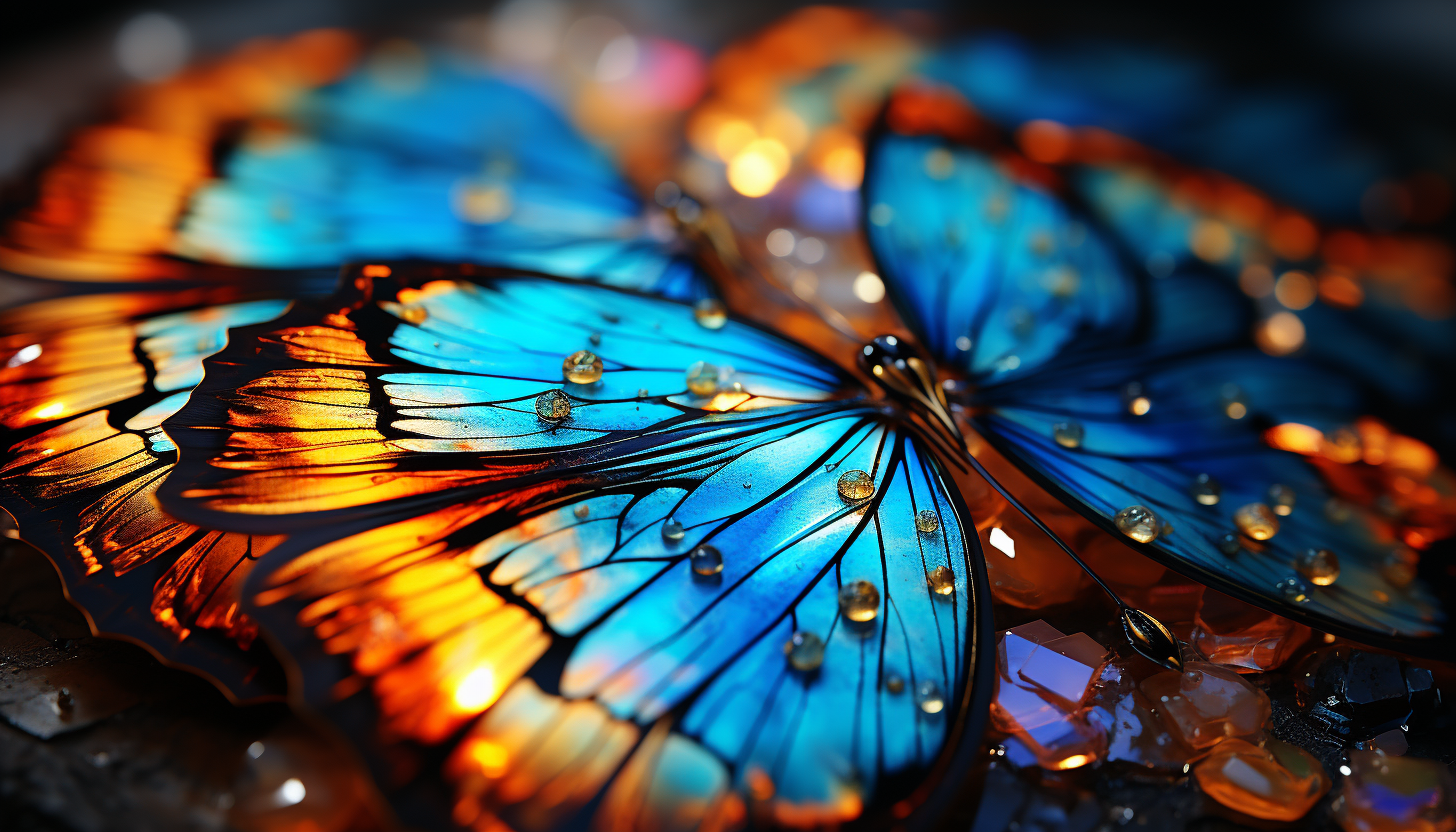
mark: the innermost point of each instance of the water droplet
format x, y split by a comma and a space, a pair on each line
859, 601
927, 521
1206, 490
855, 486
581, 511
1138, 523
1294, 590
595, 338
1281, 499
582, 367
1256, 521
414, 314
1320, 566
553, 406
706, 560
1229, 544
1069, 434
805, 651
941, 580
895, 683
929, 697
702, 378
672, 530
710, 314
1399, 566
939, 163
1136, 401
963, 343
1338, 511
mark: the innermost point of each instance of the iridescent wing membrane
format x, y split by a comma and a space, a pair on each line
87, 381
1118, 392
690, 581
454, 165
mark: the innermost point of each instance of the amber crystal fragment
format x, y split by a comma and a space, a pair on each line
1135, 734
1396, 794
1243, 637
1277, 782
1206, 703
1043, 678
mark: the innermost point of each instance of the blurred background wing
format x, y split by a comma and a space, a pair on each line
296, 154
478, 547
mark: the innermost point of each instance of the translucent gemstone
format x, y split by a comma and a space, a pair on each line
1256, 521
706, 560
1392, 743
1320, 566
1044, 674
805, 651
1069, 434
1063, 745
859, 601
941, 580
927, 521
710, 314
895, 683
1038, 576
1278, 782
929, 697
1138, 523
1229, 544
1205, 703
1042, 679
1243, 637
672, 531
581, 511
582, 367
1206, 490
855, 486
702, 379
1357, 695
1135, 735
553, 406
1294, 590
1281, 498
1396, 794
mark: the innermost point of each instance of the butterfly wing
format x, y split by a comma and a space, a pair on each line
455, 165
87, 382
1130, 415
460, 569
1004, 277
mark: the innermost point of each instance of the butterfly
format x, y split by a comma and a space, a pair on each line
711, 541
1134, 398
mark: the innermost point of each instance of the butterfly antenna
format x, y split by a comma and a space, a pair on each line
1146, 633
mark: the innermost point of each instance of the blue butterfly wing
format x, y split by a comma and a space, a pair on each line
1004, 278
1179, 340
405, 445
87, 382
462, 167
